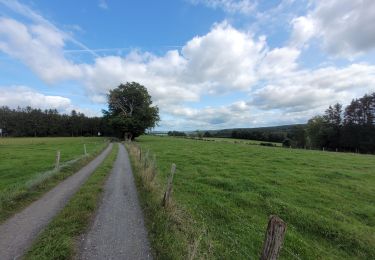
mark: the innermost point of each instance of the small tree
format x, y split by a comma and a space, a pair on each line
130, 110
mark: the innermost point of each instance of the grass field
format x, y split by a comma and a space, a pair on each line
229, 190
26, 166
23, 158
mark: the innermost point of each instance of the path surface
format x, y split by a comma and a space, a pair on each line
118, 231
18, 232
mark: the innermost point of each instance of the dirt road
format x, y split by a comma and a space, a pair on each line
118, 231
18, 232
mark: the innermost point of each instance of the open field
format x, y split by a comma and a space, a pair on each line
26, 168
229, 190
23, 158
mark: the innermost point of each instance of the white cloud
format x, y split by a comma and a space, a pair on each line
312, 89
39, 47
230, 6
22, 96
345, 26
212, 117
303, 29
278, 62
225, 57
15, 96
225, 60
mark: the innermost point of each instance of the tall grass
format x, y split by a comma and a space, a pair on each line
172, 231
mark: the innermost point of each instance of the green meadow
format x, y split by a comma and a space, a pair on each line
228, 190
23, 158
27, 166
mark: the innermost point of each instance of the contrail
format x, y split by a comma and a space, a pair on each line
24, 10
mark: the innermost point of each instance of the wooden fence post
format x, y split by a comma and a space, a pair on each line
168, 192
84, 149
57, 163
274, 238
140, 153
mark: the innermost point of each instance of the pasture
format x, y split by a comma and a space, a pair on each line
27, 162
230, 189
23, 158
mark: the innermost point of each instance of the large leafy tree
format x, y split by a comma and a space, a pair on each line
130, 110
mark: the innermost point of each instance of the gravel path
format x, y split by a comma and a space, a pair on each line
118, 231
18, 232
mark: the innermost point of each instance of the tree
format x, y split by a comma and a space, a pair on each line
130, 110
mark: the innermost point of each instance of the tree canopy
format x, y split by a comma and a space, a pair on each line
130, 110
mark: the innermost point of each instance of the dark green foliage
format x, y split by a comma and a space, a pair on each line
130, 110
176, 133
287, 142
35, 122
355, 132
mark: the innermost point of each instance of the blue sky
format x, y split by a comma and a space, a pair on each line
208, 64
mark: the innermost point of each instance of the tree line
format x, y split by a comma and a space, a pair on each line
28, 121
350, 129
130, 112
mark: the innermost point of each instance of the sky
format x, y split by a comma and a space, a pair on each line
208, 64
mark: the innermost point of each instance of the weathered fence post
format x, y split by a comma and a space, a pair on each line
84, 149
140, 153
168, 192
57, 163
274, 238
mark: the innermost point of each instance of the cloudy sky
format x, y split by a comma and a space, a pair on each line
208, 64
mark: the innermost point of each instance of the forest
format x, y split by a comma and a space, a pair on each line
22, 122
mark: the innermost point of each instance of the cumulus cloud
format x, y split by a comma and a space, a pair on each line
23, 96
345, 26
225, 60
309, 89
213, 117
303, 30
15, 96
230, 6
39, 47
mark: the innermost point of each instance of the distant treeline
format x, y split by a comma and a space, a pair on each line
36, 122
352, 129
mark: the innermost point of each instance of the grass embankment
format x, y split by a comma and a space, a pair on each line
229, 190
59, 239
27, 167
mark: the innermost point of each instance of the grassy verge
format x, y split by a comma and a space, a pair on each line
172, 232
20, 195
229, 191
58, 240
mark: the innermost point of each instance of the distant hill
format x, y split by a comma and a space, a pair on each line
268, 134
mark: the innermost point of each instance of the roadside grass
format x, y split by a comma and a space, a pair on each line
173, 234
59, 239
227, 191
27, 167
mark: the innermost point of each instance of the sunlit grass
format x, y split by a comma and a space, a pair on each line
229, 190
